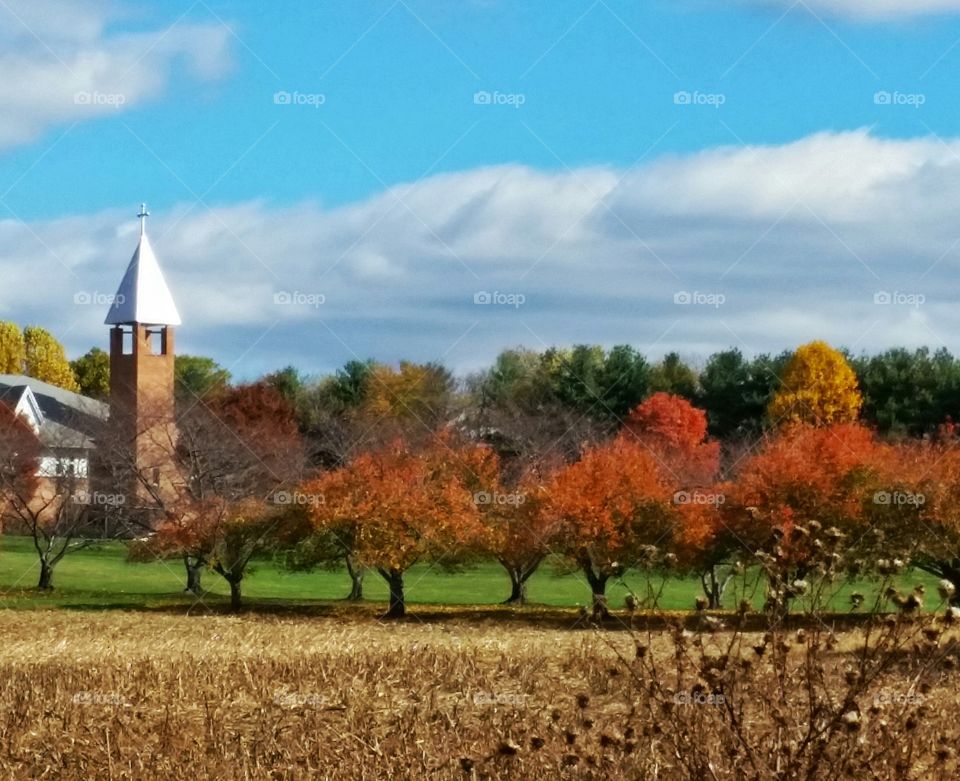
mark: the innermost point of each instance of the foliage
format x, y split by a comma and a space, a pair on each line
735, 392
406, 505
13, 354
614, 509
46, 360
675, 377
413, 393
908, 392
196, 376
92, 372
819, 387
802, 481
676, 432
287, 382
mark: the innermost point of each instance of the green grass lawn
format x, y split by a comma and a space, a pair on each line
101, 577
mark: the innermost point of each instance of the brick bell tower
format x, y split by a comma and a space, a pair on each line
143, 316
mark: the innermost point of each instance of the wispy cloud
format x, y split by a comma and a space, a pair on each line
869, 9
843, 236
60, 63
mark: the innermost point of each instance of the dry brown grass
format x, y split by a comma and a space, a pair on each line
135, 696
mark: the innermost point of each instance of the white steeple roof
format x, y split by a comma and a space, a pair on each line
143, 296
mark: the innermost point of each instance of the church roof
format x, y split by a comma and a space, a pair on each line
61, 418
143, 296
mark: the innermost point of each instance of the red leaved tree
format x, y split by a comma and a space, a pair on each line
802, 504
235, 453
918, 508
613, 506
521, 532
406, 505
675, 432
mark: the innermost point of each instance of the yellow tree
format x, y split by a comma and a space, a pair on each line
414, 392
46, 359
12, 353
818, 387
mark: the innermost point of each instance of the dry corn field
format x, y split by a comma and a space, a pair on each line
137, 696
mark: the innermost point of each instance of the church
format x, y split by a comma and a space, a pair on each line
139, 417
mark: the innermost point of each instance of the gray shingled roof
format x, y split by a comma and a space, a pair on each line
69, 419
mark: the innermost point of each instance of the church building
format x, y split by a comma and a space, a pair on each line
123, 447
143, 317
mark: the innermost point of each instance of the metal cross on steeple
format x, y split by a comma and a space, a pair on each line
143, 218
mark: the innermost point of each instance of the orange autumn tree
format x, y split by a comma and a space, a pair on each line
613, 506
675, 433
918, 507
803, 500
407, 505
521, 534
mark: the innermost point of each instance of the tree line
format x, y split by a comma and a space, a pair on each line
809, 467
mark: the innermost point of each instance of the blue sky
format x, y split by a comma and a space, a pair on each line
398, 78
175, 103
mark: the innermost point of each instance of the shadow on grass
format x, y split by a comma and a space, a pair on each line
533, 615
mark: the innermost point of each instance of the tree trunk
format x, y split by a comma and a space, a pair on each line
46, 576
234, 593
598, 586
518, 589
356, 580
951, 572
713, 587
394, 580
194, 572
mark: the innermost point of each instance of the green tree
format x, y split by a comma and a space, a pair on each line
675, 377
348, 387
624, 381
574, 376
287, 382
93, 373
12, 350
197, 376
46, 359
516, 379
908, 392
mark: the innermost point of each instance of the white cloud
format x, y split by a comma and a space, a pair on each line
871, 9
59, 63
797, 239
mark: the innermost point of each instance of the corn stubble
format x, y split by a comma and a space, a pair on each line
133, 696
